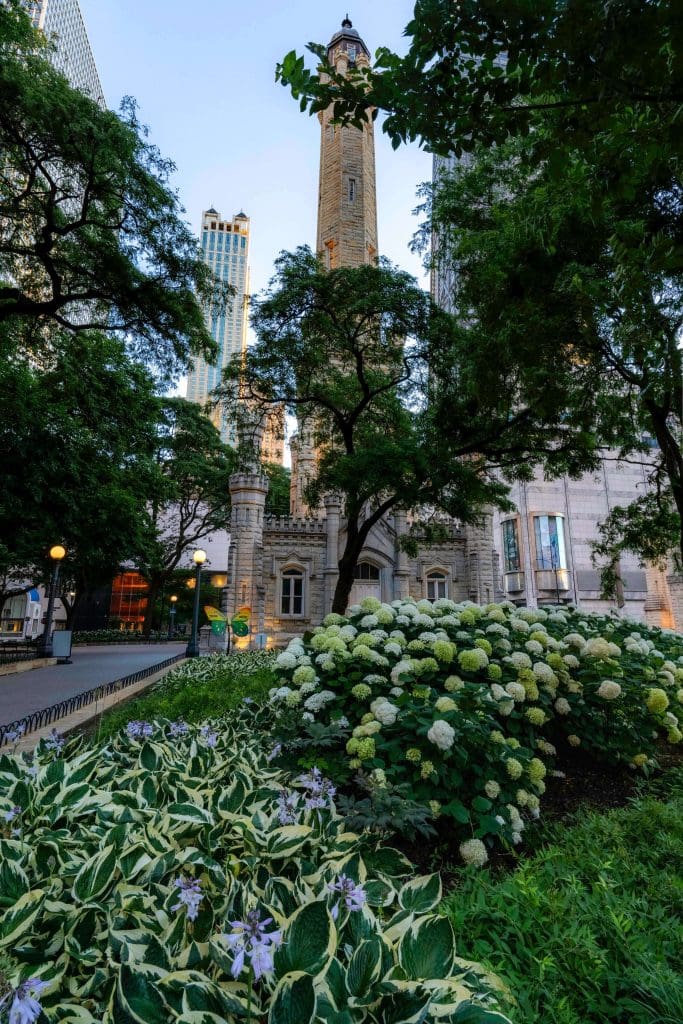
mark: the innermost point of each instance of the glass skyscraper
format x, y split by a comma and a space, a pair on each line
225, 248
62, 23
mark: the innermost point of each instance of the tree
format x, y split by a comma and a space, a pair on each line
91, 234
584, 280
479, 71
77, 436
189, 496
406, 413
277, 499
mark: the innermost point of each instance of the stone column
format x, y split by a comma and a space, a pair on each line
660, 603
331, 572
674, 582
401, 569
480, 558
248, 496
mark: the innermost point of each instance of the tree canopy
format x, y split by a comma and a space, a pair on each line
91, 233
479, 71
404, 411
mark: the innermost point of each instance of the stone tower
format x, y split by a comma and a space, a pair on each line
347, 197
347, 215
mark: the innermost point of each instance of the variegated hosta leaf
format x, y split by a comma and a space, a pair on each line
115, 843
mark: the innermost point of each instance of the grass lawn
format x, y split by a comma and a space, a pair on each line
589, 928
184, 694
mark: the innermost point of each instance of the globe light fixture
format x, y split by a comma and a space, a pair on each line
44, 649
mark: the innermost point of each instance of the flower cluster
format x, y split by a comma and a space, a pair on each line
250, 940
189, 896
139, 730
477, 743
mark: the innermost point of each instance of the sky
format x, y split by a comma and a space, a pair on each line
203, 74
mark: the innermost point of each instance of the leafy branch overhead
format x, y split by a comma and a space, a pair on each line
91, 233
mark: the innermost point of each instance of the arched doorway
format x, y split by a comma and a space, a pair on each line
366, 583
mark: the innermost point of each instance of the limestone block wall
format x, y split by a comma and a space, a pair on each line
293, 543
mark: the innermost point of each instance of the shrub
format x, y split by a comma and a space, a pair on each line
467, 704
582, 930
175, 875
200, 686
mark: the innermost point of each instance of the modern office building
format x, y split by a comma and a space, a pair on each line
62, 23
225, 248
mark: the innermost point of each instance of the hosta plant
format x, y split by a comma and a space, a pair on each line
468, 704
175, 875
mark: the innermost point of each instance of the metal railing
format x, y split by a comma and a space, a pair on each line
17, 650
39, 719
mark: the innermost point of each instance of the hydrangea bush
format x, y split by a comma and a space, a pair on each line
469, 704
175, 875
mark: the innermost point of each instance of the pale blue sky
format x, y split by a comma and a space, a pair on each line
203, 75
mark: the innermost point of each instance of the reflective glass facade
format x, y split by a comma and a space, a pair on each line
62, 22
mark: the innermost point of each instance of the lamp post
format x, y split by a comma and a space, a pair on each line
171, 616
57, 553
199, 557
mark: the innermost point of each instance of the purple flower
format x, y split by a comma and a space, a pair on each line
288, 813
147, 729
351, 893
25, 1008
319, 790
247, 700
209, 735
178, 728
54, 742
15, 734
249, 938
190, 896
139, 730
275, 752
13, 813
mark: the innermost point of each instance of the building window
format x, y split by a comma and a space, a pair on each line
351, 50
437, 585
550, 548
352, 189
512, 561
366, 571
292, 592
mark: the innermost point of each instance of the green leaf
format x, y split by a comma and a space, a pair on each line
309, 940
365, 968
293, 1000
15, 922
189, 812
421, 894
287, 839
138, 996
13, 882
408, 1007
427, 949
470, 1013
96, 875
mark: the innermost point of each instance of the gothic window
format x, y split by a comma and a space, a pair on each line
550, 548
351, 50
366, 571
437, 585
292, 592
352, 189
511, 556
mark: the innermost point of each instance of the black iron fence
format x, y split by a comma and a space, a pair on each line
13, 731
17, 650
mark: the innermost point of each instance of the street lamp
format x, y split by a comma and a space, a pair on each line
199, 557
57, 553
171, 616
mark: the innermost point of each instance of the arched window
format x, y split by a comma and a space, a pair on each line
366, 571
437, 585
292, 592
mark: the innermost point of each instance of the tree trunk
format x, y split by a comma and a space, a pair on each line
672, 457
355, 539
156, 582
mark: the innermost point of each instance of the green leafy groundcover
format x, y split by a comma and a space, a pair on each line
199, 687
129, 871
465, 706
588, 929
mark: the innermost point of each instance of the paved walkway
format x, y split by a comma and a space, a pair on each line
30, 691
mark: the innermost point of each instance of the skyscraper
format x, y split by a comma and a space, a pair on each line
225, 248
62, 23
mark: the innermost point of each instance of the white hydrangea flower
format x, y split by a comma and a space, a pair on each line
520, 659
496, 629
519, 625
441, 734
386, 713
575, 640
285, 660
533, 647
369, 621
402, 668
516, 691
562, 706
474, 852
544, 673
609, 690
492, 789
396, 691
571, 661
423, 620
497, 692
394, 649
